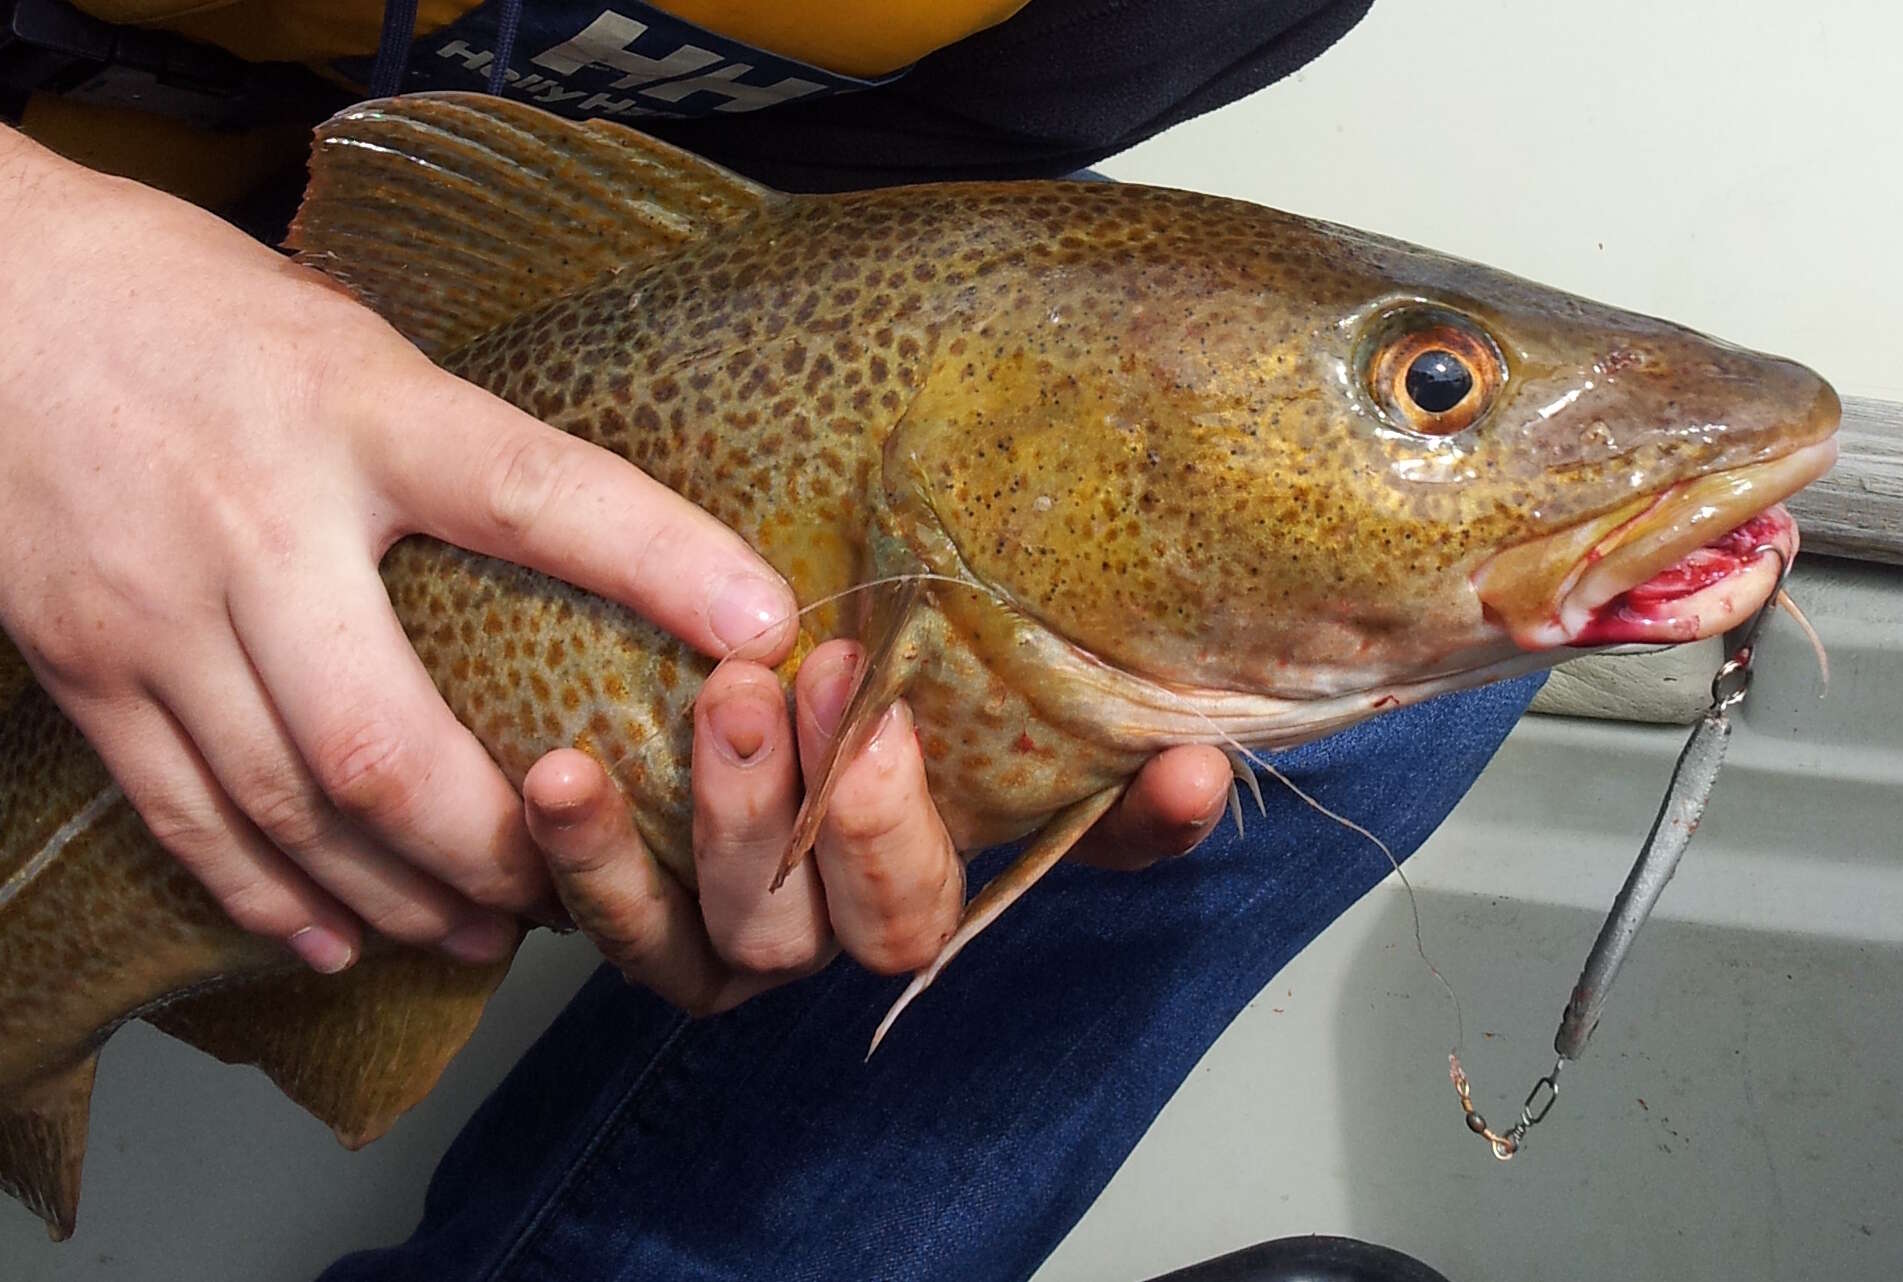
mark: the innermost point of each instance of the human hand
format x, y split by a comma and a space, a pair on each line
883, 881
207, 451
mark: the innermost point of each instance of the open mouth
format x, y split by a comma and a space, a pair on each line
1692, 561
1708, 590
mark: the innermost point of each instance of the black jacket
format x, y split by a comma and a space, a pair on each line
1054, 89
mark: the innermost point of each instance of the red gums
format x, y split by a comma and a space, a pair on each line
1641, 613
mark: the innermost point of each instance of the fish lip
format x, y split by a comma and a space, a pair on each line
1679, 520
1758, 553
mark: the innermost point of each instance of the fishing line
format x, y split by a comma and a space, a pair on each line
831, 598
1238, 751
1413, 900
1235, 745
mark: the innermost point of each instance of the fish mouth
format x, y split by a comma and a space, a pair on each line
1692, 561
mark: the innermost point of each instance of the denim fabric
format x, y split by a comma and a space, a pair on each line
632, 1144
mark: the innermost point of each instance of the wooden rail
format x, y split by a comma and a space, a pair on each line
1857, 510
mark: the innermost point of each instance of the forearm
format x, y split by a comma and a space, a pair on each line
42, 193
23, 164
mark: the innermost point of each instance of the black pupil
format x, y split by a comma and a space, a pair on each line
1437, 381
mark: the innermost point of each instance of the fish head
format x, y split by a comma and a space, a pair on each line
1241, 451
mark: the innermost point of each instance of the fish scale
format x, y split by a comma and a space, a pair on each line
763, 385
1090, 470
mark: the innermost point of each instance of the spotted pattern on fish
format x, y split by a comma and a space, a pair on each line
1130, 435
1115, 401
66, 934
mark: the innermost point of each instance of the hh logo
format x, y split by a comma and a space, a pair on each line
623, 66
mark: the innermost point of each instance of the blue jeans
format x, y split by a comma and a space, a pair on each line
631, 1143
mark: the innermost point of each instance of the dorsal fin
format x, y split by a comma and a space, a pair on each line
43, 1144
358, 1049
451, 213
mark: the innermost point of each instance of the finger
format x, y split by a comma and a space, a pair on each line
746, 793
894, 885
489, 478
173, 790
1174, 802
377, 738
638, 916
217, 698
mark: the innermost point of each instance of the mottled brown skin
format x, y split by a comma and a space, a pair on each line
1133, 415
68, 934
1132, 424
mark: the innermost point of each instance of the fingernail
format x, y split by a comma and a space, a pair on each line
564, 815
486, 940
323, 950
1195, 831
896, 724
742, 725
833, 693
1214, 816
744, 611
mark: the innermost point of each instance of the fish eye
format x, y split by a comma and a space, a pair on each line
1438, 380
1436, 375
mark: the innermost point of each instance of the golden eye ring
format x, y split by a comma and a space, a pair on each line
1437, 379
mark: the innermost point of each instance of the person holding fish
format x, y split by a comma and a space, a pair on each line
219, 464
199, 489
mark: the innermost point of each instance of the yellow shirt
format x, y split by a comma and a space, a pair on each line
864, 38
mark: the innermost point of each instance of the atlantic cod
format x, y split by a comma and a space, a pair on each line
1131, 468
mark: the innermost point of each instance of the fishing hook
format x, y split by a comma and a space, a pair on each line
1692, 780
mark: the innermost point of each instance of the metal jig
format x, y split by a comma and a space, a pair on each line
1693, 778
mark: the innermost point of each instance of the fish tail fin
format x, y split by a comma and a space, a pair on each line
451, 213
1052, 842
43, 1145
356, 1050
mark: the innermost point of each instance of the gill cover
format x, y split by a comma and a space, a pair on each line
1236, 450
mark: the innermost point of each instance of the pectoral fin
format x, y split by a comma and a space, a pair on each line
43, 1145
1053, 841
1244, 777
894, 645
358, 1049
